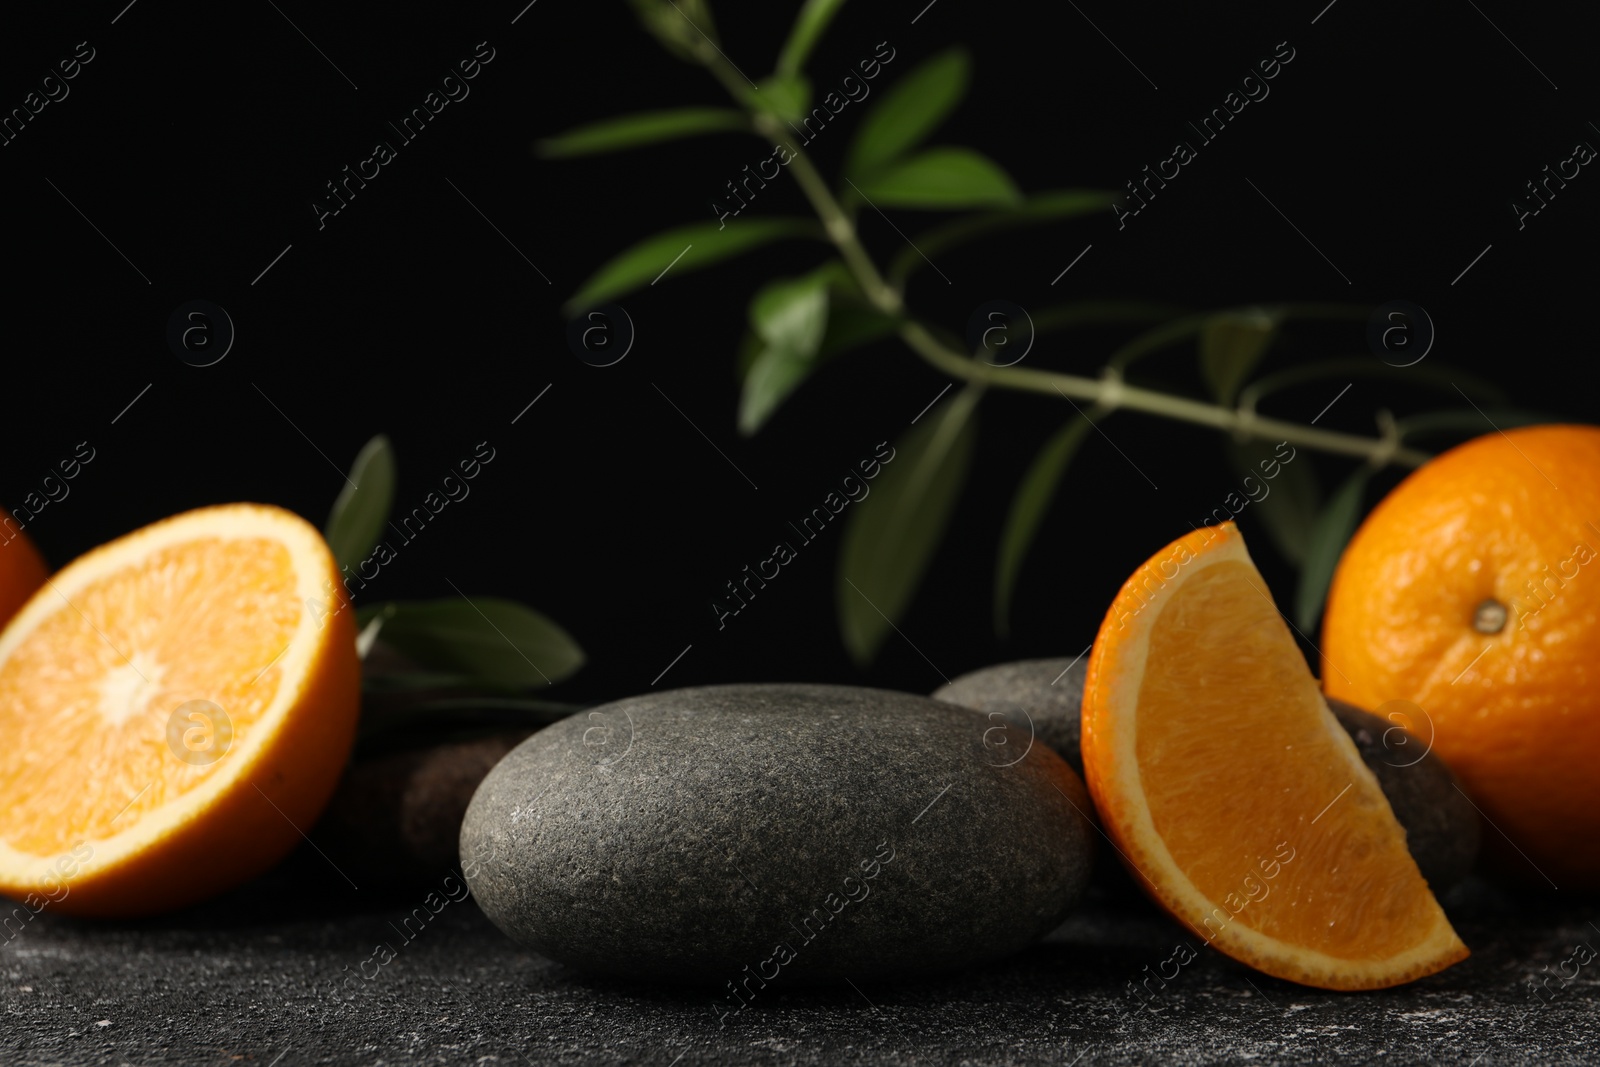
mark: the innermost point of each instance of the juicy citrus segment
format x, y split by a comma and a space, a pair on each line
189, 690
95, 683
1234, 793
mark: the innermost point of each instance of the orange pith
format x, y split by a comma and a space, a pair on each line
109, 786
1512, 518
1241, 804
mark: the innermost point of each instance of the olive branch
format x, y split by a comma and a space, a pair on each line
798, 324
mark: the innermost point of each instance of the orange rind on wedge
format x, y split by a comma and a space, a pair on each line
1231, 791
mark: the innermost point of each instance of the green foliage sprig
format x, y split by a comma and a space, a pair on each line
797, 325
452, 663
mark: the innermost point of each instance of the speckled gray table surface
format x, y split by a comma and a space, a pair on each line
290, 971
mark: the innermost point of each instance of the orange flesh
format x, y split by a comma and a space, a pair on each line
85, 699
1234, 746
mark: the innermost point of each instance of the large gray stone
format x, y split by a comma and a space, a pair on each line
747, 834
1442, 829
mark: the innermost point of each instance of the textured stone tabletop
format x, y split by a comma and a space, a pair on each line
270, 976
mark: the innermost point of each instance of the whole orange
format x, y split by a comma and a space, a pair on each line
22, 569
1471, 591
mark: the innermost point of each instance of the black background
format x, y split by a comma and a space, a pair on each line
196, 141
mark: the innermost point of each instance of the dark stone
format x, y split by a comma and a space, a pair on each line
1442, 828
1046, 694
395, 819
733, 834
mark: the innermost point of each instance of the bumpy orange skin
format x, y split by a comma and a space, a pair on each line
22, 571
1514, 518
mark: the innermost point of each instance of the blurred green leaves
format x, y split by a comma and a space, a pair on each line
784, 95
940, 179
1052, 206
809, 25
792, 313
486, 640
362, 508
1231, 346
1284, 495
1033, 496
790, 317
642, 128
878, 169
1328, 536
892, 534
489, 642
684, 27
797, 324
683, 249
907, 112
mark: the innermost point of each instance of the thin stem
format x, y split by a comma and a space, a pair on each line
1111, 392
841, 231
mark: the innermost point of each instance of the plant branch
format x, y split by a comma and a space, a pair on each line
835, 222
1110, 391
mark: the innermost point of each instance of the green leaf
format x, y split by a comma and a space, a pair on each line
701, 244
645, 127
775, 374
1283, 494
683, 27
792, 313
784, 95
780, 373
488, 639
809, 25
1055, 205
908, 111
940, 179
790, 317
1028, 507
799, 324
1231, 345
1332, 532
362, 509
892, 534
852, 324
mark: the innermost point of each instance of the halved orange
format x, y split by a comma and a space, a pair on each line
176, 707
1233, 793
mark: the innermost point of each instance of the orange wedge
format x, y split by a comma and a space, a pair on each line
1233, 793
176, 707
